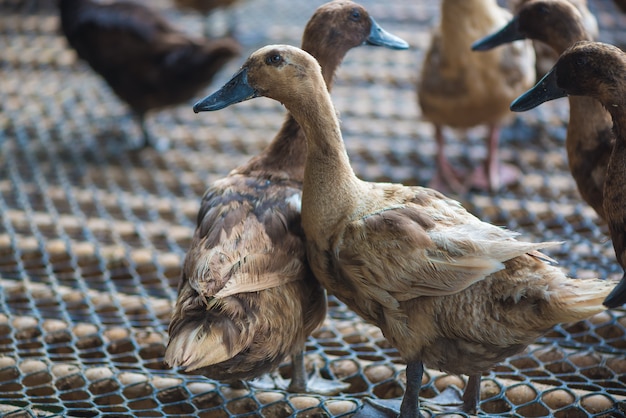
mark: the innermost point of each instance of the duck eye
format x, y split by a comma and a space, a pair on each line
273, 59
355, 15
581, 61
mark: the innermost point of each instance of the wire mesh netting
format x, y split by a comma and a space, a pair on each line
93, 232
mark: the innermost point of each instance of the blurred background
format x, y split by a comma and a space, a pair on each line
93, 232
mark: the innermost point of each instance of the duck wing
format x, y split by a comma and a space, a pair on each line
248, 238
427, 246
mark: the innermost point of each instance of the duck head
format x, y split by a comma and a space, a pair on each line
585, 69
345, 25
542, 20
267, 72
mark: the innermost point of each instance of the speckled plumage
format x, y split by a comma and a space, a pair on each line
247, 297
147, 62
590, 139
596, 70
446, 289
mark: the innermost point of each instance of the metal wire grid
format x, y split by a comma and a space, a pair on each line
92, 233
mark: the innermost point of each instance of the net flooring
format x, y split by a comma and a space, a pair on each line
93, 232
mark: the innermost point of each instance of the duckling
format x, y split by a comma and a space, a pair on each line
545, 55
207, 7
447, 290
247, 297
590, 138
147, 62
460, 89
597, 70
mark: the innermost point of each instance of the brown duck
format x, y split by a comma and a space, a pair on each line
590, 138
247, 297
447, 290
461, 89
546, 55
596, 70
147, 62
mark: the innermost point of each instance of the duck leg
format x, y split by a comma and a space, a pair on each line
446, 177
493, 175
410, 402
298, 373
471, 395
147, 139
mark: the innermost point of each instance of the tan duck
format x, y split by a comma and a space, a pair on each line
590, 138
462, 89
448, 290
596, 70
147, 62
247, 297
545, 55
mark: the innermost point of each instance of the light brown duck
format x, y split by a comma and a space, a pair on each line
462, 89
590, 138
247, 297
447, 290
597, 70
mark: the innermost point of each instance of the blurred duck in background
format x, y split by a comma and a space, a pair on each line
147, 62
207, 8
247, 297
589, 141
545, 53
597, 70
461, 89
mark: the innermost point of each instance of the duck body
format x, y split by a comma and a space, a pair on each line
446, 289
596, 70
461, 89
247, 297
246, 273
147, 62
590, 139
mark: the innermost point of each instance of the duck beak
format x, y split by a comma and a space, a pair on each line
235, 91
509, 33
380, 37
545, 90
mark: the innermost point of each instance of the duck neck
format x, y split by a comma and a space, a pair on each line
287, 151
328, 172
567, 34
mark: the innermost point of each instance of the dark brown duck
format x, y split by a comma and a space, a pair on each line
590, 138
147, 62
596, 70
247, 296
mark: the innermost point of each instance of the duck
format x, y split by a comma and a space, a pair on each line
207, 7
447, 290
247, 297
460, 89
589, 141
146, 61
596, 70
545, 55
